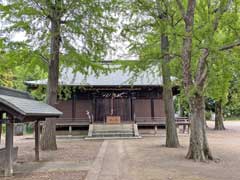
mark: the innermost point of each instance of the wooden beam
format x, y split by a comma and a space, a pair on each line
8, 171
36, 126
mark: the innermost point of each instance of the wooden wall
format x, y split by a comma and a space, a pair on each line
142, 107
66, 107
146, 108
102, 107
81, 107
159, 108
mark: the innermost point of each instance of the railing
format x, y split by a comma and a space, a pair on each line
150, 120
182, 119
159, 120
72, 121
138, 120
184, 122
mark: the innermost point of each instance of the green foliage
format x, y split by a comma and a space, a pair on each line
144, 23
86, 27
216, 25
232, 118
208, 115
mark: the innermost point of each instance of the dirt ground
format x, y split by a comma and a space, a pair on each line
150, 161
133, 159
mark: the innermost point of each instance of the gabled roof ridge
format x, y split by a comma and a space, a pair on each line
14, 92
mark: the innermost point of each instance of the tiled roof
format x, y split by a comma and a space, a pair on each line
25, 105
13, 92
115, 78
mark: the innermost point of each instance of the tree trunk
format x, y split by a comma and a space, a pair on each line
171, 131
198, 148
0, 132
181, 110
48, 139
219, 116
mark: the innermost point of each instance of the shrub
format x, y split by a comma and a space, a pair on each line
208, 115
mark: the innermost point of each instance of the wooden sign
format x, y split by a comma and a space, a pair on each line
113, 119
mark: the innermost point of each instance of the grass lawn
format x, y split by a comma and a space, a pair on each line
232, 119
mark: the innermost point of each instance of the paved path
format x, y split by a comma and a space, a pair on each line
111, 162
64, 166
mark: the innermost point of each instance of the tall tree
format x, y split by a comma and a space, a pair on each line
153, 19
198, 148
77, 29
211, 14
223, 71
48, 139
218, 84
171, 132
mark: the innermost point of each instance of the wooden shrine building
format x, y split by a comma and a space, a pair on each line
18, 107
95, 99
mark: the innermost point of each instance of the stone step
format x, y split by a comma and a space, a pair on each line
123, 126
113, 130
117, 133
112, 135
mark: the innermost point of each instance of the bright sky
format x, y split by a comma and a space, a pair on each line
121, 47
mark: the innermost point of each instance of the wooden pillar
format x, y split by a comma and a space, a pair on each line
36, 126
95, 109
155, 129
1, 118
93, 114
0, 131
74, 106
152, 108
69, 130
9, 149
132, 109
129, 112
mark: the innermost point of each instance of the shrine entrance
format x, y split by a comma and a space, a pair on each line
119, 106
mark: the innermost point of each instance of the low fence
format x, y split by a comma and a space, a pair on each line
137, 120
72, 121
158, 120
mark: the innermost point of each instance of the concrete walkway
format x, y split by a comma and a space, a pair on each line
111, 162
